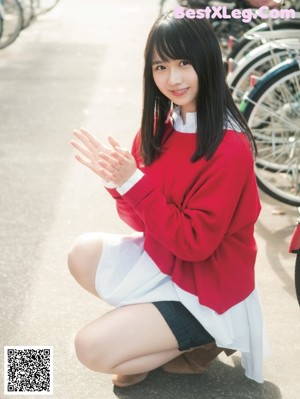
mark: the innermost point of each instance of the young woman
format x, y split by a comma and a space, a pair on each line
186, 278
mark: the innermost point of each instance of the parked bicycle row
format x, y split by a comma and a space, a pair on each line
234, 17
16, 15
264, 76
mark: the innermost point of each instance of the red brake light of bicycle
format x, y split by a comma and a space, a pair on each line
231, 42
253, 80
295, 241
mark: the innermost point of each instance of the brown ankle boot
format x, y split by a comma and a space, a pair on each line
123, 381
196, 361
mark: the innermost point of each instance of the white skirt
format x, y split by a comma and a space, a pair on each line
127, 275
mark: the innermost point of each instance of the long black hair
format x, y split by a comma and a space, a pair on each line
192, 40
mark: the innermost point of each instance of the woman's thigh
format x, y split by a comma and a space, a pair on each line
83, 259
129, 336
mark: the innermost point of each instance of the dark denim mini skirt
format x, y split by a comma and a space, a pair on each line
186, 328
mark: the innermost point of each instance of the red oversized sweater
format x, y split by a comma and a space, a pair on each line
198, 218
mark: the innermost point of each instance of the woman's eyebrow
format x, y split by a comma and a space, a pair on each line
156, 62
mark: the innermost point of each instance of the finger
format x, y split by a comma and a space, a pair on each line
84, 140
105, 174
84, 162
113, 162
124, 152
113, 142
119, 157
83, 151
107, 167
93, 140
99, 171
110, 166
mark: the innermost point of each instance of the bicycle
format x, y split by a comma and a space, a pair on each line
11, 16
1, 24
272, 110
16, 15
259, 60
43, 6
237, 49
27, 12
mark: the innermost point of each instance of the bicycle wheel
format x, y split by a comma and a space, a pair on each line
297, 276
272, 110
42, 6
1, 24
258, 62
27, 12
244, 45
12, 21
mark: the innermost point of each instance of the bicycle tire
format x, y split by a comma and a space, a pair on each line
12, 24
1, 26
283, 73
258, 65
244, 45
297, 276
27, 12
43, 6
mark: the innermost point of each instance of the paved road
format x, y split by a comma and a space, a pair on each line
81, 65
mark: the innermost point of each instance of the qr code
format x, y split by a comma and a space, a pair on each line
28, 370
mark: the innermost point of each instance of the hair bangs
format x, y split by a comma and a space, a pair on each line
169, 44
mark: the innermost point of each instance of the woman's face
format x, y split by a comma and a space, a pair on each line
177, 80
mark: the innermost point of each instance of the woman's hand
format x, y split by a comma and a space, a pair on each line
118, 165
114, 164
89, 147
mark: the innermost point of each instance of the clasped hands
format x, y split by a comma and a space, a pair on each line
114, 164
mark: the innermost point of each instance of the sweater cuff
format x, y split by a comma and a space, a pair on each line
133, 179
139, 191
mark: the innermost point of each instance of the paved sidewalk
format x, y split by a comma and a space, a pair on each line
81, 65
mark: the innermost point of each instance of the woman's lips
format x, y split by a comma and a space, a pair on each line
179, 93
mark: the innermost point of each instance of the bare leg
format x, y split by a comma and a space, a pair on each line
83, 260
128, 340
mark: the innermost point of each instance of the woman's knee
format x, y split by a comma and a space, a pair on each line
83, 260
84, 253
84, 349
91, 351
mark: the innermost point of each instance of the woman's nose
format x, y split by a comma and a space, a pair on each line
175, 77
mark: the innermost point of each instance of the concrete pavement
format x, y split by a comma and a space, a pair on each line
81, 65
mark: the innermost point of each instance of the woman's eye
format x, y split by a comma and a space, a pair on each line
184, 62
159, 68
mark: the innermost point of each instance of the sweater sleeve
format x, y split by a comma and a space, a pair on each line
126, 212
194, 233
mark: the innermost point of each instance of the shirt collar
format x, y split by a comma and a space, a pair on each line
190, 125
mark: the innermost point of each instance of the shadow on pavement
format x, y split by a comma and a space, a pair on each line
221, 381
277, 235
